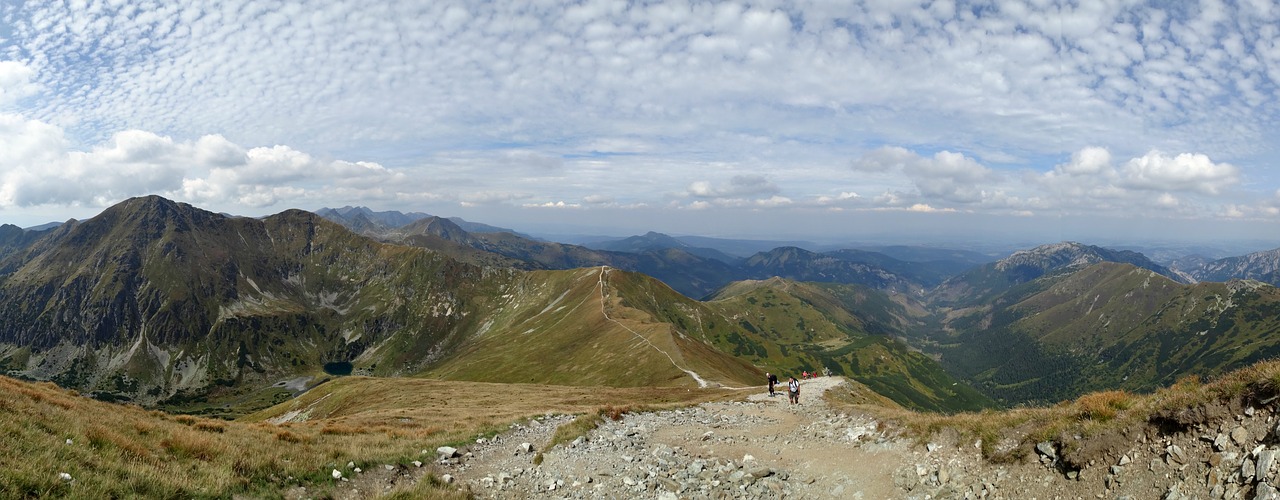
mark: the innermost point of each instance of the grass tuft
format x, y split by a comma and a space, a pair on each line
1103, 406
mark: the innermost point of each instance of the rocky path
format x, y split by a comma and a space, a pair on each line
763, 447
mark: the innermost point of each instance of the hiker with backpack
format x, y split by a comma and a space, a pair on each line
793, 389
773, 380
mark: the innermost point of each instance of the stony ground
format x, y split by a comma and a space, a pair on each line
764, 447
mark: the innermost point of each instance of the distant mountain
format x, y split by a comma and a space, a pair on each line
689, 274
847, 266
361, 219
658, 241
1262, 266
15, 239
739, 247
477, 227
955, 261
44, 227
984, 282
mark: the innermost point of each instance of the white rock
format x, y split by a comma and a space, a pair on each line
337, 474
66, 478
447, 452
69, 441
747, 458
351, 465
526, 447
448, 479
358, 470
417, 463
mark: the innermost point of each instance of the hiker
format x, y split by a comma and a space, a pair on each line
804, 374
773, 380
793, 388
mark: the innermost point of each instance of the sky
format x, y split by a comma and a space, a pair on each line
878, 119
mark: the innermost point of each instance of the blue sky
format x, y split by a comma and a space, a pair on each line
763, 119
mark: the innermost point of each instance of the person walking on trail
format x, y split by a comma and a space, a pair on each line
773, 380
793, 390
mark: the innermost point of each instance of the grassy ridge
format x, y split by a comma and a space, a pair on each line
552, 328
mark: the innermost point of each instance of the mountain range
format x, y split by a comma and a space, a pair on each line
162, 303
694, 271
159, 302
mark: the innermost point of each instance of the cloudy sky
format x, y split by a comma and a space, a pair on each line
765, 119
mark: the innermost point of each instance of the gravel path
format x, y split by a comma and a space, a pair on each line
763, 447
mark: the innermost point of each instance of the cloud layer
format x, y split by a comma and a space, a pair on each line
1108, 107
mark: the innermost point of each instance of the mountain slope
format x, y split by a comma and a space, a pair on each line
1108, 326
566, 327
845, 329
152, 298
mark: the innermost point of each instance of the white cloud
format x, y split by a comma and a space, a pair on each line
15, 81
948, 176
1157, 171
498, 104
552, 204
738, 187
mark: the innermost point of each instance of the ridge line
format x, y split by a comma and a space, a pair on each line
701, 382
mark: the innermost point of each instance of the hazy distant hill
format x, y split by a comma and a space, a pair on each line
366, 221
740, 247
362, 219
847, 266
658, 241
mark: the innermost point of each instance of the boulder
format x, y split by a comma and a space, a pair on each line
1045, 448
447, 452
1240, 435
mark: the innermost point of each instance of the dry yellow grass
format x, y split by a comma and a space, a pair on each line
126, 451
